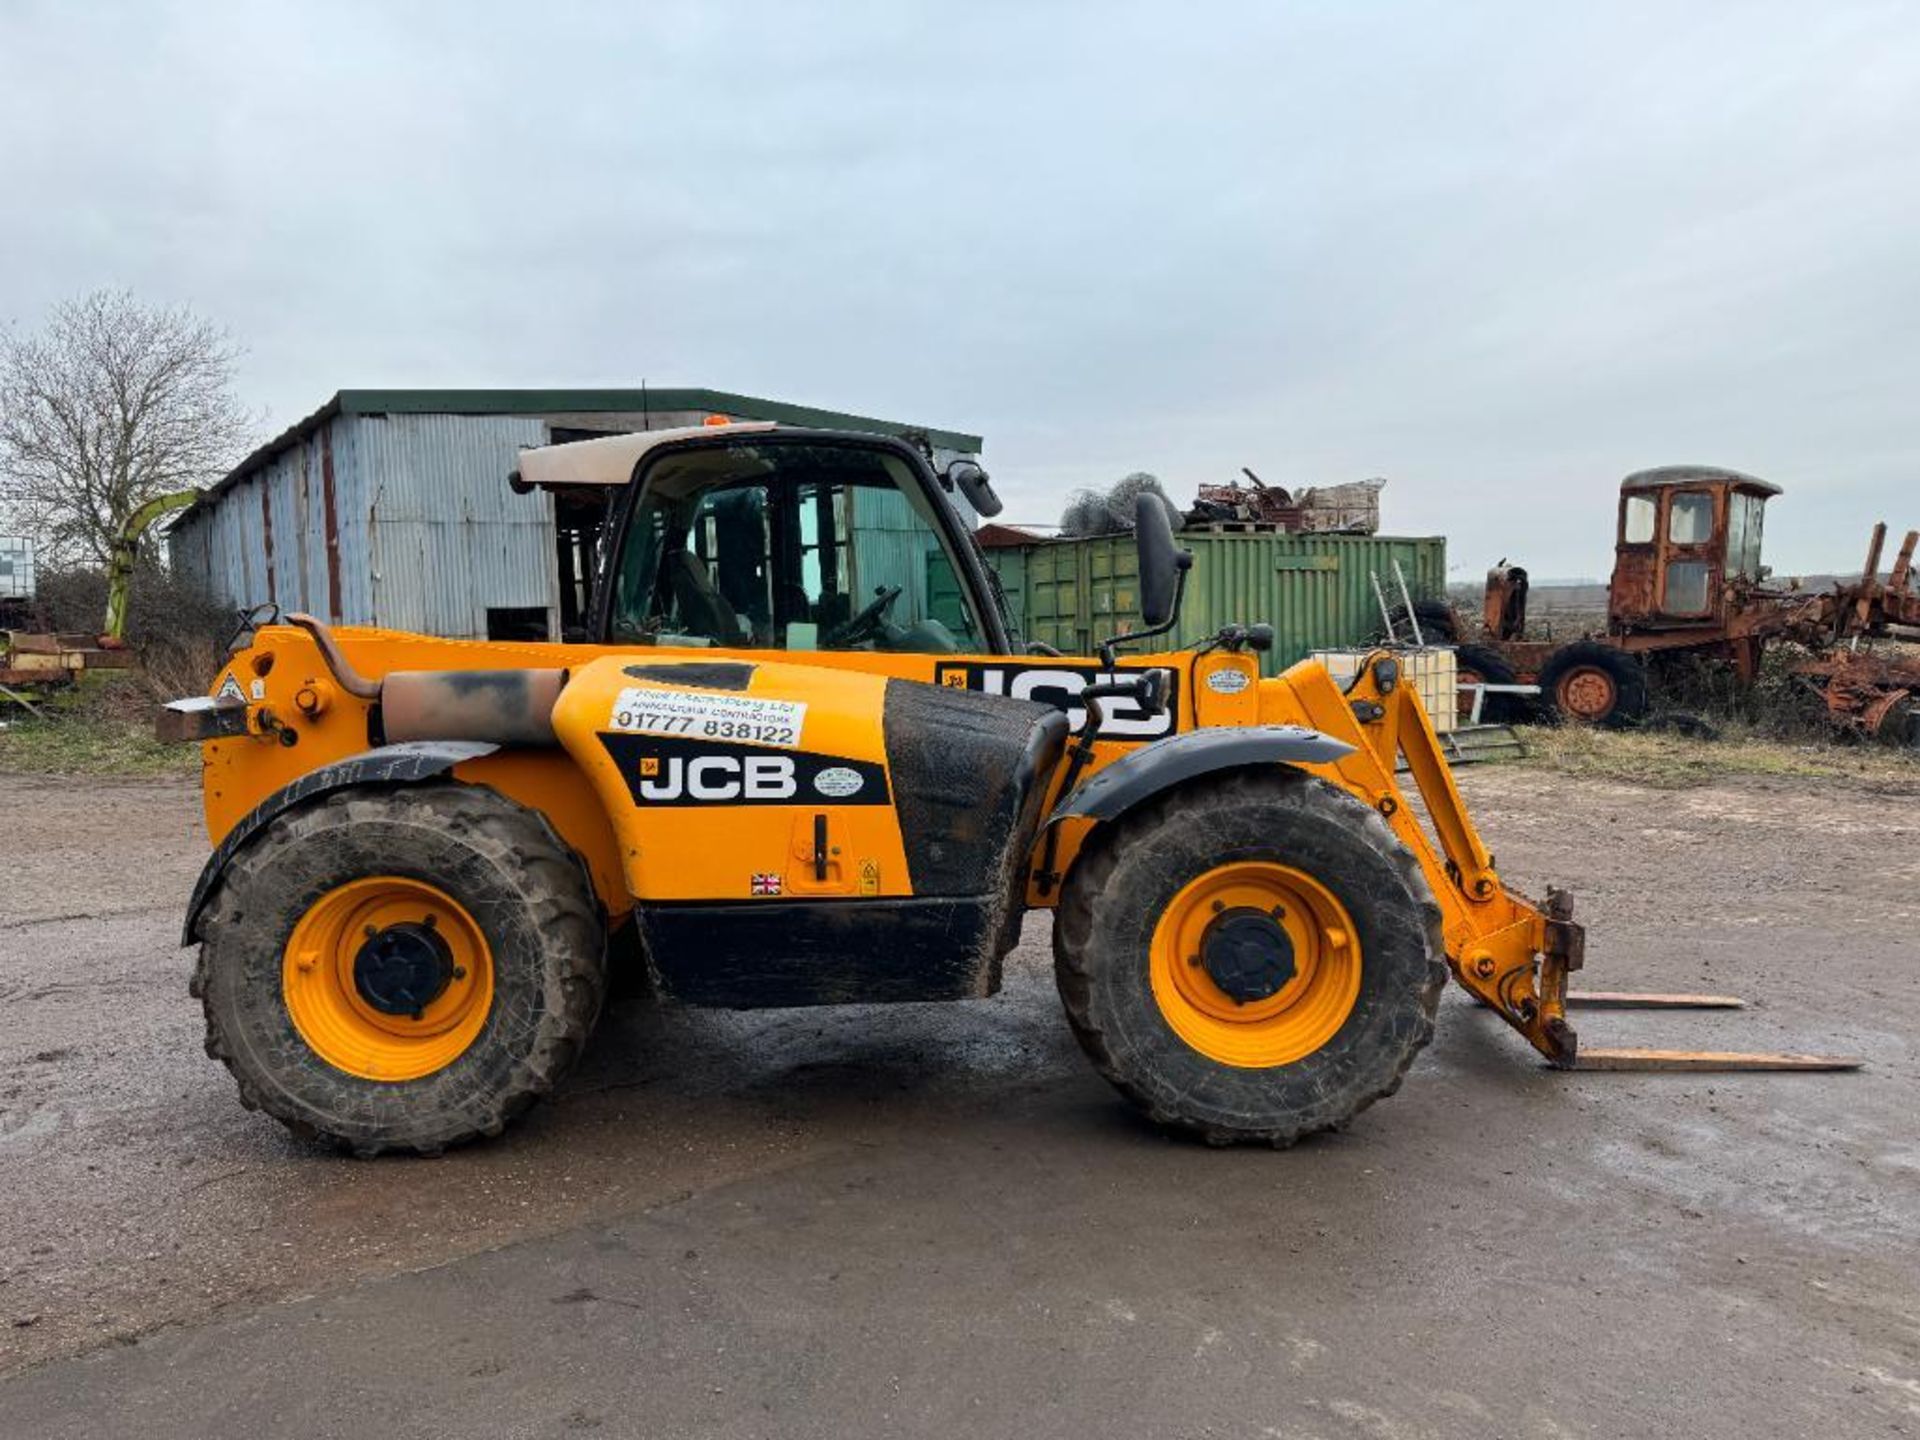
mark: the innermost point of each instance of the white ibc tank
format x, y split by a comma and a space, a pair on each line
1433, 670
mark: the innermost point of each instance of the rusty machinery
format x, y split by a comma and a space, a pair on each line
1352, 508
1688, 579
780, 774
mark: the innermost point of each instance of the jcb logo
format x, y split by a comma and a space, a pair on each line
718, 777
1060, 687
669, 770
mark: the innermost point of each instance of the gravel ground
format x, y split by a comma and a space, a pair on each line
1497, 1250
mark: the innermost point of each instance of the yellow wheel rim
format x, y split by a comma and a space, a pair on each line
331, 993
1308, 1008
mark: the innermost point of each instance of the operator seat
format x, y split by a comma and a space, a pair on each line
703, 609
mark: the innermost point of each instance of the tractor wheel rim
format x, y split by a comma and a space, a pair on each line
1207, 934
366, 949
1587, 693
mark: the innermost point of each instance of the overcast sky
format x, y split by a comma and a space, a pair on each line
1500, 254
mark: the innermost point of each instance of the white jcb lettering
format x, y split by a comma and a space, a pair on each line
722, 777
666, 787
700, 788
1063, 687
770, 777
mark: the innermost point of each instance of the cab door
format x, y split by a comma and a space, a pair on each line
1690, 555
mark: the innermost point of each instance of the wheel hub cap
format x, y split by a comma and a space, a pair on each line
1247, 954
1588, 693
1255, 963
402, 969
388, 978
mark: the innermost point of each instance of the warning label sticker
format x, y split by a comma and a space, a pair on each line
710, 716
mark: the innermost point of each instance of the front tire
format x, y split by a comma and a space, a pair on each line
1251, 957
401, 969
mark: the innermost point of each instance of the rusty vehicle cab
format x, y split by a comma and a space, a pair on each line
1688, 581
1688, 545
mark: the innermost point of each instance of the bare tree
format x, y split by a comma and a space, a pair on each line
108, 407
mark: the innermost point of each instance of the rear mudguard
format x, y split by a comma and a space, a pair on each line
404, 764
1117, 788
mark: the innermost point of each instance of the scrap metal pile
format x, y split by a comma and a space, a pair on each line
1349, 509
1873, 692
33, 661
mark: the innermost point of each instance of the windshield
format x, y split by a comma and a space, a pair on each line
789, 547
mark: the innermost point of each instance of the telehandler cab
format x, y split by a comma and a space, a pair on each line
799, 762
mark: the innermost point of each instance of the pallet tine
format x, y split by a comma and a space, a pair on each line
1630, 1000
1706, 1061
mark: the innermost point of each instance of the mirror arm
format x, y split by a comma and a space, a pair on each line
1110, 646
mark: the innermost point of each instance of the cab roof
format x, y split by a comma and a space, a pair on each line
610, 460
1670, 475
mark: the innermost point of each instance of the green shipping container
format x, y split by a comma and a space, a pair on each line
1315, 590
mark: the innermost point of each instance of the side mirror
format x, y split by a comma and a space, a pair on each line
1161, 562
974, 484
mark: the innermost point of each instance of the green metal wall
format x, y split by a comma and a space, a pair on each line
1313, 589
943, 589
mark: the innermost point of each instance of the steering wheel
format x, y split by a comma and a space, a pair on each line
866, 625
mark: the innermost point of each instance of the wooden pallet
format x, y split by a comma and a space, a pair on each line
1470, 743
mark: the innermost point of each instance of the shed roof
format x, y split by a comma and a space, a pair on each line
997, 536
572, 402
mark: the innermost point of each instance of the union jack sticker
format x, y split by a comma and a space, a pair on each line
765, 885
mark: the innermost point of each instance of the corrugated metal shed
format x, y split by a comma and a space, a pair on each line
392, 508
1315, 590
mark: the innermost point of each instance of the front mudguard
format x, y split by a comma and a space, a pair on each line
404, 764
1151, 769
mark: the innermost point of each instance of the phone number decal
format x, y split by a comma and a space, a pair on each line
715, 717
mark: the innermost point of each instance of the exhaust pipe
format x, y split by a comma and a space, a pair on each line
501, 707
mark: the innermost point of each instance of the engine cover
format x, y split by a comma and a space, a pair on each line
745, 793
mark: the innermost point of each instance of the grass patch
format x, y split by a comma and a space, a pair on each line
101, 728
1661, 760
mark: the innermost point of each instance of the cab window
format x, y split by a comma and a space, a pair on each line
1636, 524
1687, 586
788, 547
1690, 518
1745, 514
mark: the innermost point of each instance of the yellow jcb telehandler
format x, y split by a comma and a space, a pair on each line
799, 761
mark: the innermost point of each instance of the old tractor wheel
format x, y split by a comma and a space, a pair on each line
1252, 957
1482, 664
1588, 683
401, 969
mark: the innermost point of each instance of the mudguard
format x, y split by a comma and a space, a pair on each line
1147, 771
403, 764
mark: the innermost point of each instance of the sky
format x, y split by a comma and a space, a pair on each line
1501, 254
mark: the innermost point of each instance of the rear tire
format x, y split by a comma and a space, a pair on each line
520, 897
1245, 1085
1590, 683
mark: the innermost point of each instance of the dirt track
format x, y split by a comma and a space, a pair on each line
1497, 1250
